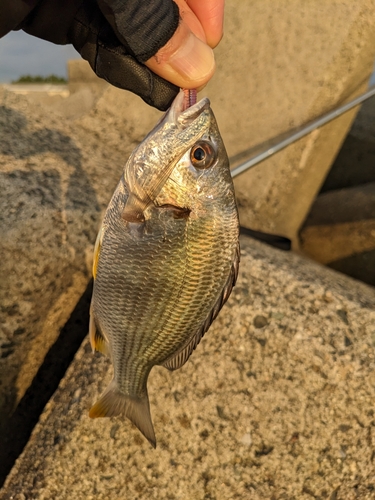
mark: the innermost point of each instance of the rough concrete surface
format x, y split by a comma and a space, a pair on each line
280, 64
349, 204
276, 403
80, 75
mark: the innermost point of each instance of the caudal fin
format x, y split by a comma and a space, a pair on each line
137, 409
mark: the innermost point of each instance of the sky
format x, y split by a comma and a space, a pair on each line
22, 54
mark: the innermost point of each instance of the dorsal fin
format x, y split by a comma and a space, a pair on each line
179, 359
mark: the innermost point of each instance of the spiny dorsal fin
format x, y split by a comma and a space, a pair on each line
180, 358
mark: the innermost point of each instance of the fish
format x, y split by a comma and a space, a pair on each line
166, 257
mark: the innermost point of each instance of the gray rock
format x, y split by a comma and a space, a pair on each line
260, 321
296, 415
338, 206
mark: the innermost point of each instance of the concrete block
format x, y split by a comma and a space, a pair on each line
281, 64
276, 402
81, 76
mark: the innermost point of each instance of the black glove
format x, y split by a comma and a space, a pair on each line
114, 36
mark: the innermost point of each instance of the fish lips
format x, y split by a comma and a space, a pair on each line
178, 115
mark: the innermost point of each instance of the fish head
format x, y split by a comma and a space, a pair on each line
181, 164
200, 180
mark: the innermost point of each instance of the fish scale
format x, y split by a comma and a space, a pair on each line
166, 257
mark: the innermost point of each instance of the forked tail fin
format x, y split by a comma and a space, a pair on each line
137, 409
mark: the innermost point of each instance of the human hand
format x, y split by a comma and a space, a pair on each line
186, 59
138, 45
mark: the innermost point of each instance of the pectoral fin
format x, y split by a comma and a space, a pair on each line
134, 208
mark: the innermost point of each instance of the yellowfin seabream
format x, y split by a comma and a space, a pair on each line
166, 257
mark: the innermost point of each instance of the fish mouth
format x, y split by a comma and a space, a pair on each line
178, 115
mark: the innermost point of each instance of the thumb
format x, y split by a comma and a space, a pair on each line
186, 60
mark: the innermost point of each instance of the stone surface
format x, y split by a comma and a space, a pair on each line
285, 412
350, 204
280, 65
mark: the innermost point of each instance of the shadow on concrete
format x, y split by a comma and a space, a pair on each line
354, 165
17, 430
360, 266
20, 143
273, 240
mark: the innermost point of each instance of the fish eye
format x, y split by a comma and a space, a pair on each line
202, 155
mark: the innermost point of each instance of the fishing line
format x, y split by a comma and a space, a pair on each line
294, 135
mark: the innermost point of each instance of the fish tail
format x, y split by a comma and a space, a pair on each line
136, 408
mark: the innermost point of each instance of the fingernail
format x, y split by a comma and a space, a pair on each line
193, 61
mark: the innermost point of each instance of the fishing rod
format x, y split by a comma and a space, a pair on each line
290, 137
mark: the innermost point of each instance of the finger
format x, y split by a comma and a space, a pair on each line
210, 14
186, 60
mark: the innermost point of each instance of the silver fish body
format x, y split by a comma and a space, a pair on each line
166, 256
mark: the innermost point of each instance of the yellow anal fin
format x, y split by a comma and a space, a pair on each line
97, 339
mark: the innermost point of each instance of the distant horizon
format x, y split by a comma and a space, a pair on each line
22, 54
